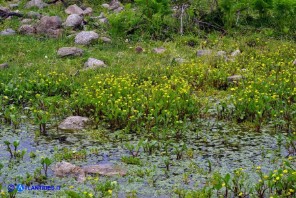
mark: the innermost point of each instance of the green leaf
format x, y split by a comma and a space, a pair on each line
227, 178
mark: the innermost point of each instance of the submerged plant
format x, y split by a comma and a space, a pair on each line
46, 162
15, 153
134, 149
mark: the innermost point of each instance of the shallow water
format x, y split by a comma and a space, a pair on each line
227, 147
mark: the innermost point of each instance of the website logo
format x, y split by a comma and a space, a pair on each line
10, 188
20, 188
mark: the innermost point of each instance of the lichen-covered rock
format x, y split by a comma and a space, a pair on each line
73, 123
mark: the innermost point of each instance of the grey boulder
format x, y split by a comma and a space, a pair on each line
36, 3
159, 50
105, 39
203, 53
69, 51
74, 123
50, 26
74, 9
74, 20
235, 53
64, 169
86, 37
93, 63
7, 32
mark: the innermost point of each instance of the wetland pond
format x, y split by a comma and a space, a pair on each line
211, 146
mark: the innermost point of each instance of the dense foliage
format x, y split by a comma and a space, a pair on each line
156, 19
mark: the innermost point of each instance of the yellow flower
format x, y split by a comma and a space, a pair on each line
277, 178
258, 167
71, 187
291, 190
110, 192
285, 171
90, 195
290, 158
223, 184
240, 194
